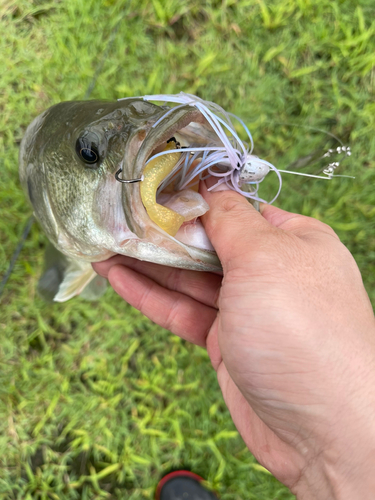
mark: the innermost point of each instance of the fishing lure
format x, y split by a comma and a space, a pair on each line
228, 159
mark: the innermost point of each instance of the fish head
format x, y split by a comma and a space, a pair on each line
68, 160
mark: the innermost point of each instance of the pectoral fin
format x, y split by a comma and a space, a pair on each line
55, 265
95, 289
78, 275
63, 278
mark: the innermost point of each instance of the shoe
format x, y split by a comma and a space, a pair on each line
182, 485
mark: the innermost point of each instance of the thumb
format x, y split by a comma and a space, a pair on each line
235, 228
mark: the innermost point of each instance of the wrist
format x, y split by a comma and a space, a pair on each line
341, 454
342, 471
331, 481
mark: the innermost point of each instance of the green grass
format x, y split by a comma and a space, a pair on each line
96, 401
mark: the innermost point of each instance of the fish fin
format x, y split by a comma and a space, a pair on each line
59, 273
55, 264
77, 276
95, 289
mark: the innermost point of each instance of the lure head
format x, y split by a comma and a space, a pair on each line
253, 170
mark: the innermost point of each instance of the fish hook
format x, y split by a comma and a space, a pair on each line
126, 181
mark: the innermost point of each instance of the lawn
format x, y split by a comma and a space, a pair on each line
97, 401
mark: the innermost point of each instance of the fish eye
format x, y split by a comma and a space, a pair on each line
87, 148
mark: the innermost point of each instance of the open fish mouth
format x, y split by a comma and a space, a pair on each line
168, 133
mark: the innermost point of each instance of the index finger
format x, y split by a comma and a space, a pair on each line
201, 286
298, 224
182, 315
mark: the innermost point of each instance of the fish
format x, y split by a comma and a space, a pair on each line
68, 160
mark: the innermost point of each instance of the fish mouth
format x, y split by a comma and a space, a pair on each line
156, 137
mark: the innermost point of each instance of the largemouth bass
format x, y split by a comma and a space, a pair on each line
68, 160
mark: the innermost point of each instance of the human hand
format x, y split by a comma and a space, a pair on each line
291, 333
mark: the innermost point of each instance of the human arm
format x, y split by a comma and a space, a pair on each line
291, 333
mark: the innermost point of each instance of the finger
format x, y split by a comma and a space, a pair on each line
200, 286
275, 216
172, 310
238, 231
297, 224
233, 226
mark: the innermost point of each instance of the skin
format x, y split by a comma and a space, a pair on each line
291, 333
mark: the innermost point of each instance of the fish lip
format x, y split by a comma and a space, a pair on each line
136, 216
